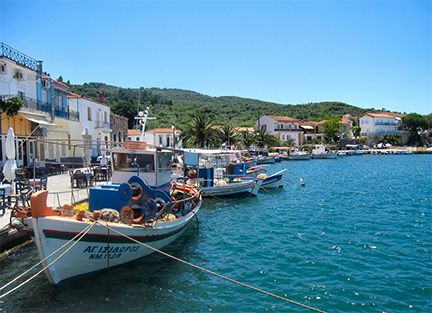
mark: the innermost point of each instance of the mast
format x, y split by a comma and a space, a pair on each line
142, 120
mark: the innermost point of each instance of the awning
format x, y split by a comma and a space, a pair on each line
36, 118
307, 127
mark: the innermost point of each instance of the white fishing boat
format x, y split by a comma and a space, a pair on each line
152, 215
210, 176
299, 155
141, 210
320, 152
224, 188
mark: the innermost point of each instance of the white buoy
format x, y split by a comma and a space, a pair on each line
302, 183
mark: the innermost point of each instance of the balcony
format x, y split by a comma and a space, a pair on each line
31, 104
67, 115
386, 132
387, 123
18, 57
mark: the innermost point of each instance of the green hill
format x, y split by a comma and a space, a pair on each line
174, 106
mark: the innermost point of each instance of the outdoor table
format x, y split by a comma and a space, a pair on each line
81, 180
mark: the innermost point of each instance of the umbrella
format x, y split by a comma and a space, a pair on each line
104, 160
10, 165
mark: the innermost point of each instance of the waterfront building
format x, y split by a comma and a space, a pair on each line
160, 137
381, 124
313, 132
283, 127
19, 77
94, 126
119, 127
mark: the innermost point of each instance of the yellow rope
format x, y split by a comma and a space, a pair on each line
216, 274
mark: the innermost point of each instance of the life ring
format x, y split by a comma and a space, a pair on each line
127, 215
192, 173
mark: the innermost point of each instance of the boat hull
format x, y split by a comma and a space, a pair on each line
99, 248
274, 181
300, 157
332, 155
240, 189
270, 160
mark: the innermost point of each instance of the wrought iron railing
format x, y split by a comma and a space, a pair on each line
18, 57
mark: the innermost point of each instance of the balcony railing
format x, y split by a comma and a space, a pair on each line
386, 132
102, 124
33, 105
387, 123
68, 115
18, 57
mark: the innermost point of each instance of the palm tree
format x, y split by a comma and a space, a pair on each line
199, 130
227, 134
263, 138
246, 138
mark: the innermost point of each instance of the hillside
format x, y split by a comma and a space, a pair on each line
174, 106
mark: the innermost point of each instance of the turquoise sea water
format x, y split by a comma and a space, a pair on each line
356, 238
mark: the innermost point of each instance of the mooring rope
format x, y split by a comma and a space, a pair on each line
214, 273
83, 233
44, 259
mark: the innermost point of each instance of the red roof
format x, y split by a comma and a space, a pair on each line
384, 114
283, 118
162, 130
134, 132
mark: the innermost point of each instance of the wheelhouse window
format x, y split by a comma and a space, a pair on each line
125, 162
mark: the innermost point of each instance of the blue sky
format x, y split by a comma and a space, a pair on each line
366, 53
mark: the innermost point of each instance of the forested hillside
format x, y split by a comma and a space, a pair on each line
175, 106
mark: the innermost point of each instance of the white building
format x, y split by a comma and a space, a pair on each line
94, 126
284, 127
160, 137
380, 124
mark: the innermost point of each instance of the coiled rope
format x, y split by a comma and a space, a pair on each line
79, 236
214, 273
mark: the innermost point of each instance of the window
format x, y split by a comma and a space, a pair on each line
137, 138
69, 142
126, 162
89, 114
119, 137
114, 137
105, 117
160, 140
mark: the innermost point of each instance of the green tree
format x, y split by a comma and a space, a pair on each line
331, 129
264, 138
246, 139
11, 106
60, 78
199, 131
356, 131
415, 123
227, 134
